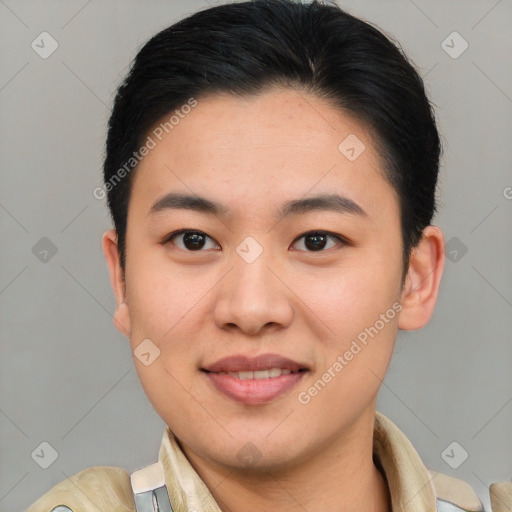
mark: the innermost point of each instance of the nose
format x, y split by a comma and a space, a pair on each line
253, 297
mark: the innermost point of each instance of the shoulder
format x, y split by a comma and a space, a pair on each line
93, 489
501, 496
455, 494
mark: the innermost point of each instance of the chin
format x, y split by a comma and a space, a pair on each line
250, 460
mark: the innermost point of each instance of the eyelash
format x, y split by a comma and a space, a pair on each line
341, 240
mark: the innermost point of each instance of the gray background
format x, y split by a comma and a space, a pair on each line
67, 375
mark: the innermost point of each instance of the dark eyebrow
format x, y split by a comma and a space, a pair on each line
332, 202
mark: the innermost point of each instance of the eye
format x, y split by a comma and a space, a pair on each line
191, 240
316, 241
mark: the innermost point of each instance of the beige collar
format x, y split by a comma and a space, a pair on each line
409, 482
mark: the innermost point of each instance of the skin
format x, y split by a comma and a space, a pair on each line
252, 155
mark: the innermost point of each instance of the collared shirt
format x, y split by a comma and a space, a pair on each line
413, 488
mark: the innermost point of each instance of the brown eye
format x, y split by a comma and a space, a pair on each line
317, 241
190, 240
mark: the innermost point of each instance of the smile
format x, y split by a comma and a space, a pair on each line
259, 374
254, 380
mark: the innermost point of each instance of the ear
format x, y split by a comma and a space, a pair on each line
421, 286
111, 251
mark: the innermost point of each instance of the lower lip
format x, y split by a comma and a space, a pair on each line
254, 391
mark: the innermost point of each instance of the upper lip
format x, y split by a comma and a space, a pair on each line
241, 363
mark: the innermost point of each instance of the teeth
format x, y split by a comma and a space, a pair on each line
259, 374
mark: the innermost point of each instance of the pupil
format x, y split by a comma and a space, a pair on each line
318, 241
195, 240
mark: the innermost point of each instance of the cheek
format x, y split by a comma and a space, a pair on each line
359, 305
353, 359
352, 297
161, 294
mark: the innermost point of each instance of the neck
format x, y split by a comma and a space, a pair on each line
340, 477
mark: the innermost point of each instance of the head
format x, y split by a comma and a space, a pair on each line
309, 153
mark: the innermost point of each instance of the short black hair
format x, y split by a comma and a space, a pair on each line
247, 48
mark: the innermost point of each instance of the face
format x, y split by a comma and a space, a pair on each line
273, 279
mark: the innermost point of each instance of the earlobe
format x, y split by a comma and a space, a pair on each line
117, 281
421, 286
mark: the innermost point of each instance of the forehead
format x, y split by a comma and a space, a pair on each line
262, 150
